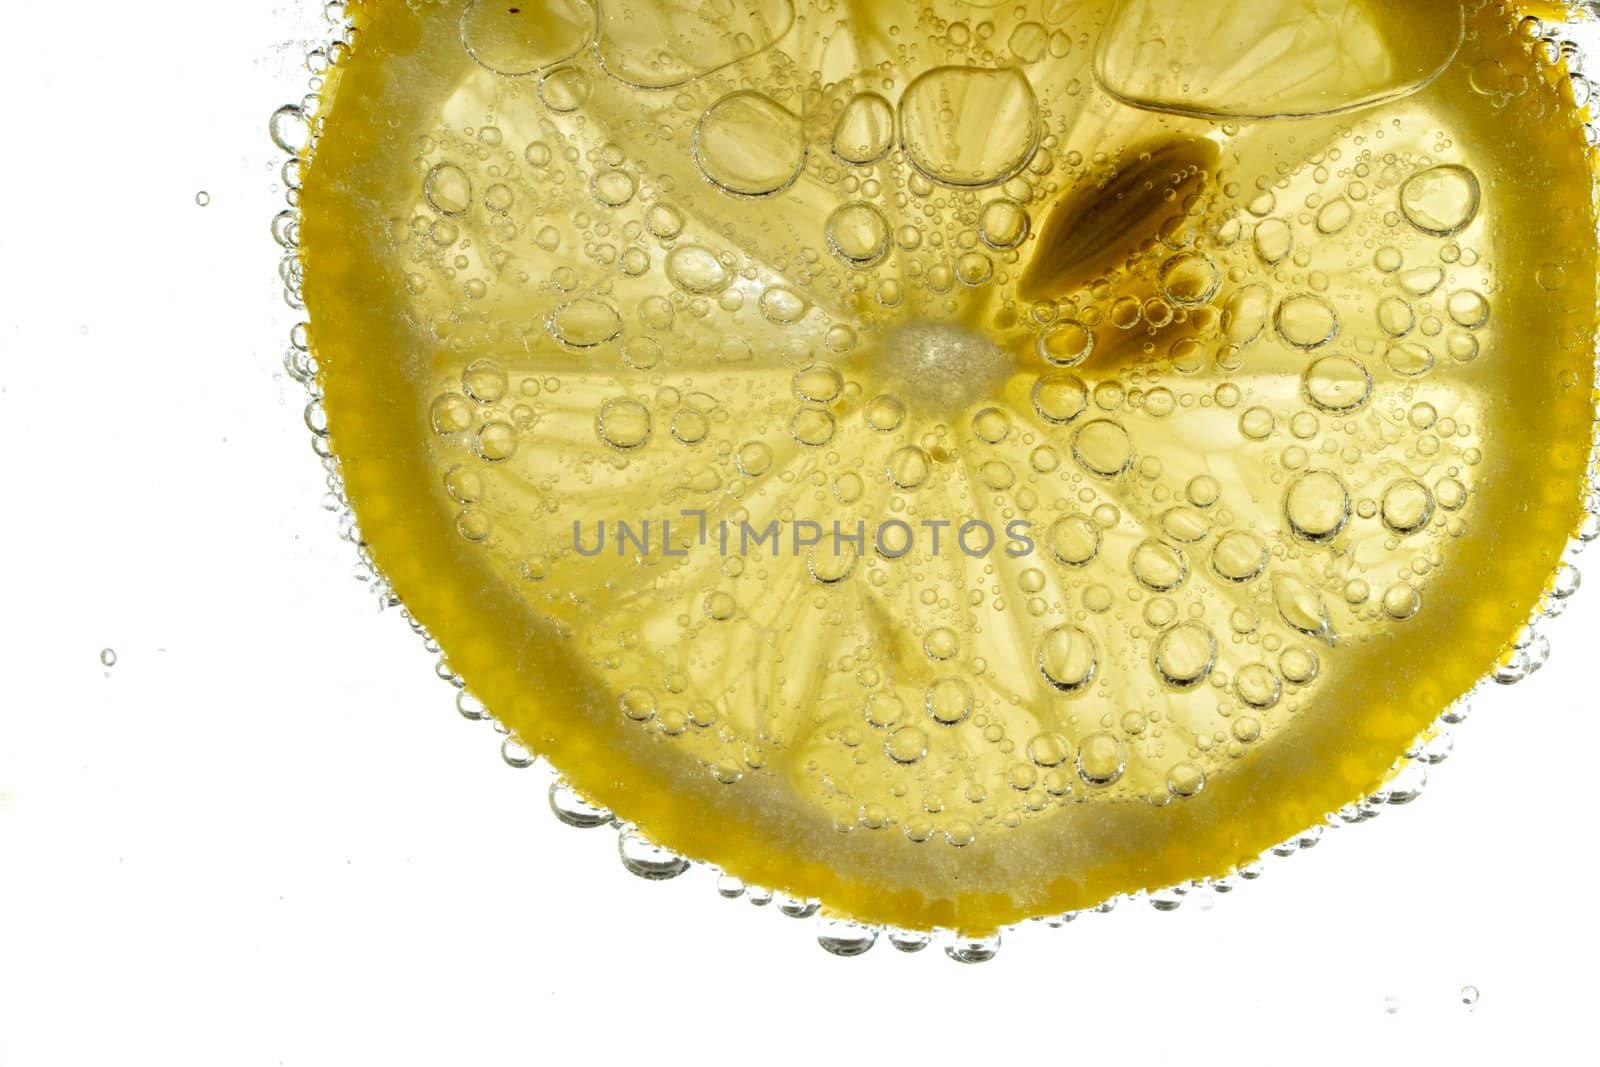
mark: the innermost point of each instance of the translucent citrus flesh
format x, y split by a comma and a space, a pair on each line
1293, 413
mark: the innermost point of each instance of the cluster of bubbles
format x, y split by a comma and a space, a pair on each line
1234, 270
1230, 272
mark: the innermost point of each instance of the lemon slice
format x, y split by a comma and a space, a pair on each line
901, 457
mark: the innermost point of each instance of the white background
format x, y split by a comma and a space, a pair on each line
265, 837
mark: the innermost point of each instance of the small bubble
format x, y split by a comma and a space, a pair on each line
290, 130
1060, 398
1003, 224
1068, 659
623, 423
1299, 665
1307, 321
818, 383
1158, 566
202, 198
812, 426
754, 458
858, 234
908, 467
108, 657
1101, 759
865, 130
1401, 601
1337, 384
1440, 201
1407, 506
906, 745
564, 89
613, 188
585, 323
1103, 448
1185, 779
884, 413
697, 270
1185, 655
1073, 540
949, 701
942, 111
1239, 556
1066, 344
1317, 505
748, 145
1189, 279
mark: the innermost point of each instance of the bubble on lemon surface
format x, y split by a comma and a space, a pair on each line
623, 423
1103, 447
565, 89
1101, 759
858, 233
1060, 398
1190, 279
969, 126
949, 700
865, 130
885, 414
1317, 505
696, 270
1274, 58
1407, 506
1441, 201
1239, 556
909, 467
1185, 655
1158, 566
585, 323
1306, 320
1337, 384
1066, 344
1074, 540
1067, 658
749, 145
448, 189
1236, 394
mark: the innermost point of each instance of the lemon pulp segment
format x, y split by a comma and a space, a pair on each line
958, 461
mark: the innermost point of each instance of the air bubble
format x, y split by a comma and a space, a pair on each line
648, 861
749, 145
1441, 201
1317, 505
865, 130
1066, 344
949, 701
858, 234
1060, 398
1103, 447
1068, 658
1307, 321
623, 423
585, 323
1101, 759
1337, 384
967, 126
1074, 540
1185, 654
448, 190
